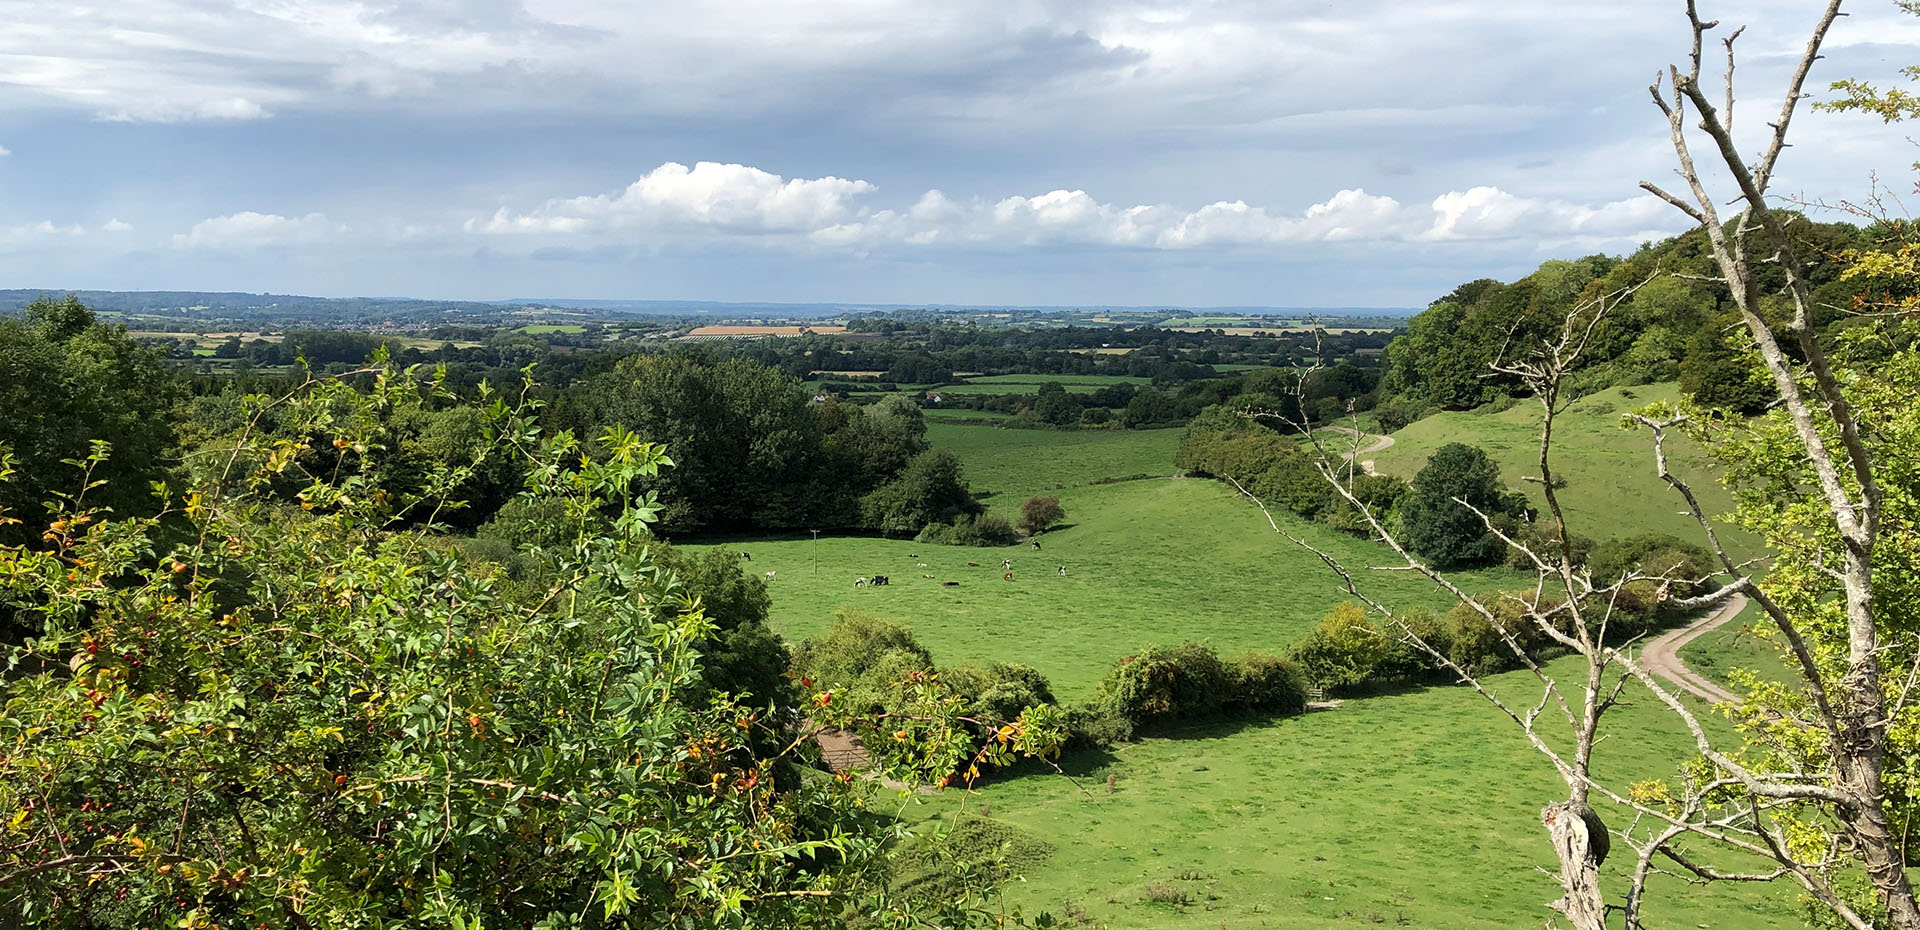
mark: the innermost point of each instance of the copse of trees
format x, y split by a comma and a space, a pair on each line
1676, 321
1445, 517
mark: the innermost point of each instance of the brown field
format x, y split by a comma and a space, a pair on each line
1257, 330
1103, 351
201, 338
763, 330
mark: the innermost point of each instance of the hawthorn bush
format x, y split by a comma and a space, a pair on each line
300, 716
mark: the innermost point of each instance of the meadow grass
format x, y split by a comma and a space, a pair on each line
1611, 488
1152, 561
1014, 464
1414, 809
538, 329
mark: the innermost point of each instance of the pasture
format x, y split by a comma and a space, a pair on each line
1610, 487
1158, 560
1414, 809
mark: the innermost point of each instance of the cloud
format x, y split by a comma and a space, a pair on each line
4, 151
249, 230
710, 195
116, 225
32, 234
717, 201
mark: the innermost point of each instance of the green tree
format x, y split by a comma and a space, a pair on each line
68, 382
1038, 514
930, 490
1436, 524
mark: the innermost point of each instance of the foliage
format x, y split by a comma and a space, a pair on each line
1164, 684
1438, 517
930, 490
980, 529
68, 382
299, 717
1347, 651
1040, 513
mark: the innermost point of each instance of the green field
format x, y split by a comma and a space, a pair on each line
1013, 464
937, 414
1036, 380
540, 329
1013, 387
1611, 488
1411, 809
1417, 809
1149, 561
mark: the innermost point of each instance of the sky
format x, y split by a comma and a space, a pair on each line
1151, 152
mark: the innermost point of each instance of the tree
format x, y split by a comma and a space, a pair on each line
67, 383
1818, 790
1039, 514
295, 718
1444, 519
930, 490
1052, 405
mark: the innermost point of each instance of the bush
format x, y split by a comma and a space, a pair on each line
1438, 528
1269, 684
999, 691
1093, 726
856, 644
1040, 513
1650, 554
981, 529
1348, 651
1165, 683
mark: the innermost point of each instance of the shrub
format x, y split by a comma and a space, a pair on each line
856, 644
1095, 725
1346, 650
981, 529
1040, 513
999, 691
1541, 537
1165, 683
1269, 684
1649, 554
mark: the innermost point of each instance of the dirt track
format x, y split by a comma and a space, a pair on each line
1378, 443
1662, 656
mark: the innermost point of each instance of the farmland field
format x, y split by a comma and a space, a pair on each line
744, 330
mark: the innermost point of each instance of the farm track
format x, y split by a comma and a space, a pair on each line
1662, 655
1379, 443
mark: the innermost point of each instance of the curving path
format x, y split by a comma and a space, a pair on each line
1662, 655
1378, 443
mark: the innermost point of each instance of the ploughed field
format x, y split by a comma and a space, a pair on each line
1412, 809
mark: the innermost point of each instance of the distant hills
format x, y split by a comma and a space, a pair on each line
292, 307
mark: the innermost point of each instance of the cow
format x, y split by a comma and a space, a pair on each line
746, 556
949, 584
973, 564
1008, 576
1036, 544
880, 580
1063, 571
1006, 564
859, 582
926, 576
769, 575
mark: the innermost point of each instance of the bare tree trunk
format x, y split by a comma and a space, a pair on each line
1571, 827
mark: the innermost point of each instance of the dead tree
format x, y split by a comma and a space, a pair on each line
1735, 805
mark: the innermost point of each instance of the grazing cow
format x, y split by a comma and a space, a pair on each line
1036, 544
913, 555
949, 584
769, 574
879, 580
973, 564
926, 576
1063, 570
923, 565
1008, 576
859, 582
1006, 564
745, 556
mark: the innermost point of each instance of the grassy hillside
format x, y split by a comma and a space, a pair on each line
1611, 488
1014, 464
1150, 561
1417, 809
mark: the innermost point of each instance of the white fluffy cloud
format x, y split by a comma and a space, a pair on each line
710, 195
718, 200
249, 230
4, 151
27, 236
